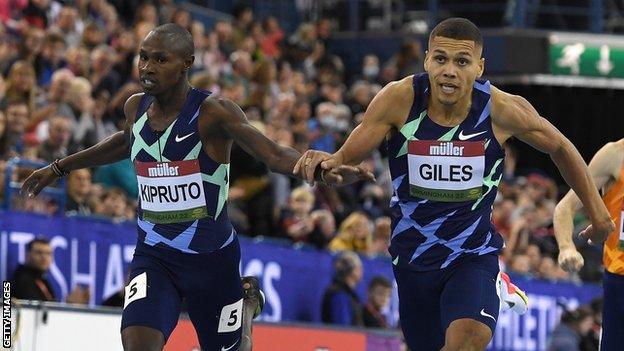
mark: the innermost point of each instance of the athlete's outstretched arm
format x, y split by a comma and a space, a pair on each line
278, 158
388, 109
513, 115
112, 149
603, 168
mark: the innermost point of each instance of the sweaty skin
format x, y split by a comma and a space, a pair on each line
453, 66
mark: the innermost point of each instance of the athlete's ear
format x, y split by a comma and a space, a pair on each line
481, 67
188, 63
426, 60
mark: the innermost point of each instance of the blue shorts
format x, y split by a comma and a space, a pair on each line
612, 312
429, 301
210, 283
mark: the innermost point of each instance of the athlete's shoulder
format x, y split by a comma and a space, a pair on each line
132, 104
507, 106
395, 94
613, 153
218, 106
399, 88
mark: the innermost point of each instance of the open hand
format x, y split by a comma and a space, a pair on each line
38, 180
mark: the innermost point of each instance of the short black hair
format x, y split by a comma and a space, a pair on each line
379, 281
36, 241
180, 39
457, 28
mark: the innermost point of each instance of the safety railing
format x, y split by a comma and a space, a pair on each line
11, 187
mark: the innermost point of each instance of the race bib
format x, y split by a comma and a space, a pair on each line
171, 192
447, 171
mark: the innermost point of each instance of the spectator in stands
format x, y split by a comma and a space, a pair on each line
21, 84
59, 135
78, 193
370, 69
69, 25
103, 77
54, 102
52, 57
574, 325
17, 116
534, 253
324, 228
78, 61
321, 128
113, 205
520, 264
409, 60
341, 303
354, 234
30, 280
378, 298
381, 237
296, 220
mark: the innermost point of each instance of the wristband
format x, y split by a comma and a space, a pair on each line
56, 168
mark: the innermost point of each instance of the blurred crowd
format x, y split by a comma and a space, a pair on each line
67, 67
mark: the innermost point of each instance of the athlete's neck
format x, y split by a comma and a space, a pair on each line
449, 115
172, 100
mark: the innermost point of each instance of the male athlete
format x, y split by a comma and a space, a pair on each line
179, 139
444, 131
607, 171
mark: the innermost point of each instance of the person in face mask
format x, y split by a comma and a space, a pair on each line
320, 129
370, 68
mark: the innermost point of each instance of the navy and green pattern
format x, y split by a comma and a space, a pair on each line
429, 235
203, 235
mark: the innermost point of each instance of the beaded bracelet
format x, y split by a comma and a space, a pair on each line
56, 168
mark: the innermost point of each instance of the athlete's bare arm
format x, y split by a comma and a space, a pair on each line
280, 159
388, 110
604, 168
112, 149
513, 115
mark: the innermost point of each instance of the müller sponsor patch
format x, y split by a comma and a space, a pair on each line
447, 171
171, 192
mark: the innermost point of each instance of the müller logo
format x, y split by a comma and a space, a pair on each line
163, 170
446, 149
6, 314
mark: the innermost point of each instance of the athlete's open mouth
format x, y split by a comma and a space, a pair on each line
448, 88
148, 82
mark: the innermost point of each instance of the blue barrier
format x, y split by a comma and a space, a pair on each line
11, 187
96, 253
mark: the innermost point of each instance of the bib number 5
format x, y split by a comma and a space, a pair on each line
231, 315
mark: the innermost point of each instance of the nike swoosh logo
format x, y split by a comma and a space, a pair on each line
462, 136
179, 139
484, 314
223, 348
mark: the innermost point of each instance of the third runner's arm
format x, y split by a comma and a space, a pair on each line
513, 115
388, 109
603, 168
112, 149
